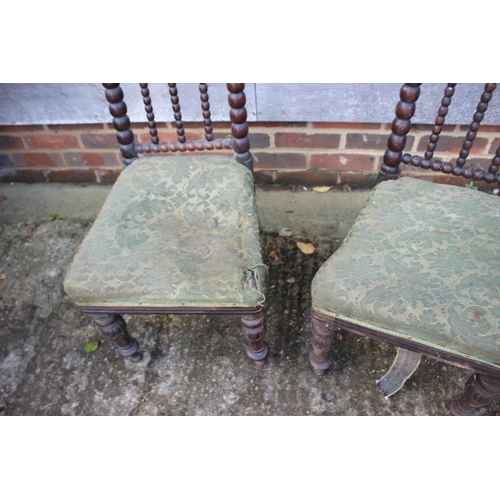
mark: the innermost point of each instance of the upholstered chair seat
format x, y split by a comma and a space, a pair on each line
421, 263
178, 231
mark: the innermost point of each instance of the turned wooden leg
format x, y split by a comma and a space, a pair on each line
253, 327
479, 391
322, 342
114, 327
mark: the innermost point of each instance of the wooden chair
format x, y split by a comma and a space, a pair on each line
420, 268
178, 234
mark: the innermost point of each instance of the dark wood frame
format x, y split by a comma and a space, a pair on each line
130, 150
109, 319
484, 385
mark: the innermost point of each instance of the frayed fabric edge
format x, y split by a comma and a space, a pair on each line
254, 278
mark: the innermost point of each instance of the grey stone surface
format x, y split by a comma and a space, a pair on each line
193, 365
366, 102
68, 103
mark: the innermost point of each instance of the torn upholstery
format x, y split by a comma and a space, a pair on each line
174, 231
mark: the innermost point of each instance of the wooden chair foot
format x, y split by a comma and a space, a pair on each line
253, 327
258, 357
320, 356
114, 327
479, 391
317, 371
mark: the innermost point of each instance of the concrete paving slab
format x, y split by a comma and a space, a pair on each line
296, 209
193, 365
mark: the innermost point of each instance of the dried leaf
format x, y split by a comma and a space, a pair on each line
285, 231
307, 233
322, 189
2, 198
281, 239
37, 371
291, 280
91, 346
306, 247
2, 276
274, 255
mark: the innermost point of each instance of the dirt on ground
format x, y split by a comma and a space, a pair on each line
193, 365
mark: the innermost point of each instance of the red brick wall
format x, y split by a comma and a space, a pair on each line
285, 153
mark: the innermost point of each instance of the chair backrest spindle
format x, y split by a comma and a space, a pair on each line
440, 118
476, 123
401, 125
121, 122
149, 113
205, 106
239, 125
174, 98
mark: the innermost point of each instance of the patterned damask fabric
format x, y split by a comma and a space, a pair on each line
174, 231
422, 261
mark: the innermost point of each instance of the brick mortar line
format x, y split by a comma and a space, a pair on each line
63, 167
309, 125
313, 126
343, 140
272, 140
254, 149
62, 151
274, 169
367, 152
308, 160
96, 171
305, 170
270, 149
489, 143
255, 129
80, 140
256, 167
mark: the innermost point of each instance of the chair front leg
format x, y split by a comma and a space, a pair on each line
114, 327
322, 342
479, 391
253, 327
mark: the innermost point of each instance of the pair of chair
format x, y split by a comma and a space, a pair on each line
418, 269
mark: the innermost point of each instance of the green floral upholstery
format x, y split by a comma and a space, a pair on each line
174, 231
421, 262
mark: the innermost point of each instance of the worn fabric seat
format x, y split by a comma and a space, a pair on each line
422, 262
173, 232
